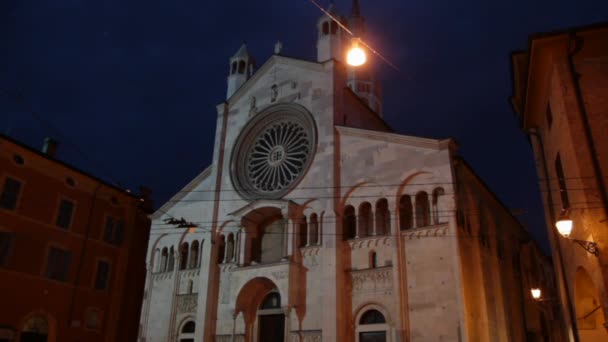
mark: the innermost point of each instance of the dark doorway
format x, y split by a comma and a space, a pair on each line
272, 328
33, 337
372, 336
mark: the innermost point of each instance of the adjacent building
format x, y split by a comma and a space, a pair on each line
560, 95
317, 222
72, 251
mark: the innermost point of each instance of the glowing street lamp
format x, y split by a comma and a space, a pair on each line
564, 225
536, 293
356, 56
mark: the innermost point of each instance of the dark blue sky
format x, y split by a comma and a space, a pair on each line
132, 85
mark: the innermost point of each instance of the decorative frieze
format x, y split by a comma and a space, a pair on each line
187, 303
162, 276
371, 242
307, 336
377, 280
430, 231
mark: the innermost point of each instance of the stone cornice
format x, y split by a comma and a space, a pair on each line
436, 144
182, 193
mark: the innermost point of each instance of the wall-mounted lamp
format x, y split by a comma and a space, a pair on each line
564, 226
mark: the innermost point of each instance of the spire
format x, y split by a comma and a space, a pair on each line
356, 10
242, 52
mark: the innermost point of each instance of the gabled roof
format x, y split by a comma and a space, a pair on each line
182, 193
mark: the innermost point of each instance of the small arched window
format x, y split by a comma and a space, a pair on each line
422, 209
406, 218
222, 249
189, 327
372, 317
437, 193
171, 264
183, 256
366, 220
326, 28
230, 248
156, 259
349, 223
303, 232
233, 70
242, 67
163, 260
373, 259
314, 230
382, 217
334, 27
271, 301
190, 286
193, 255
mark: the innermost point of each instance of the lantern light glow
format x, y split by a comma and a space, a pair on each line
536, 293
564, 225
356, 55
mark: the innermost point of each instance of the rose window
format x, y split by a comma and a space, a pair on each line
273, 152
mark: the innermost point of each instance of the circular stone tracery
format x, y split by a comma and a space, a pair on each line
273, 151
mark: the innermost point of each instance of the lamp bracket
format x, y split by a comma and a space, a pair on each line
589, 246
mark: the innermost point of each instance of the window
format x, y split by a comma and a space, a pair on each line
183, 256
103, 274
64, 218
549, 115
422, 210
189, 327
326, 28
563, 191
58, 264
91, 319
314, 230
437, 193
372, 317
366, 220
271, 301
406, 217
187, 332
350, 223
194, 254
222, 249
10, 194
113, 231
303, 232
163, 260
6, 246
373, 259
382, 217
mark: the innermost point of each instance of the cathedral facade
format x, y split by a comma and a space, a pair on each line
316, 222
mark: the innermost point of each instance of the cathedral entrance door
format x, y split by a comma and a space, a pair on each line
272, 328
372, 336
271, 320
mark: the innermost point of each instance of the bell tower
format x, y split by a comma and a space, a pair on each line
331, 38
241, 69
361, 79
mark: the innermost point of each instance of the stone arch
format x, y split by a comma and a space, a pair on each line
183, 255
366, 220
155, 255
194, 257
587, 304
349, 223
251, 294
185, 331
383, 217
384, 325
422, 209
436, 205
39, 323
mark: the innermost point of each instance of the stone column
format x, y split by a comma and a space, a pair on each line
289, 237
287, 313
234, 315
236, 249
243, 247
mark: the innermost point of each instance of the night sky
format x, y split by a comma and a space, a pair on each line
129, 87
